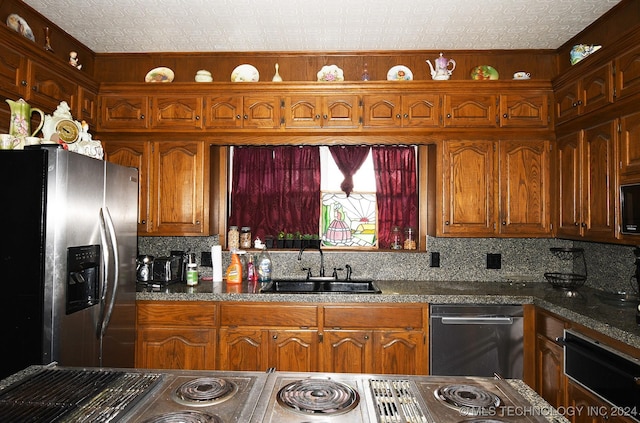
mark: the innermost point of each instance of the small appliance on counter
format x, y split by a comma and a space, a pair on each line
167, 270
144, 268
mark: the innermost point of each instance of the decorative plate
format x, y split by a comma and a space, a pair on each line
330, 73
484, 72
245, 73
17, 23
399, 73
159, 75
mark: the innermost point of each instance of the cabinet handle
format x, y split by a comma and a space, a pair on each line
583, 224
446, 223
317, 116
406, 115
34, 88
504, 223
238, 116
275, 336
366, 337
325, 116
398, 116
197, 222
141, 116
506, 116
448, 115
576, 224
246, 116
144, 222
579, 102
320, 336
197, 117
23, 83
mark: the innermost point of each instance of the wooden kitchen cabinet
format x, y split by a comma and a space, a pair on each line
124, 112
470, 110
375, 339
629, 148
135, 154
176, 335
401, 111
528, 109
238, 111
176, 112
550, 381
589, 408
13, 66
584, 95
335, 111
48, 88
173, 181
627, 75
87, 107
587, 183
495, 188
261, 336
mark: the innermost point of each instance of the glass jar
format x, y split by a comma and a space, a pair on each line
233, 238
409, 238
396, 238
245, 237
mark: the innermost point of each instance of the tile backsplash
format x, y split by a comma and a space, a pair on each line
609, 266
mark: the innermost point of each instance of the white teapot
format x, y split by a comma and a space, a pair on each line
441, 72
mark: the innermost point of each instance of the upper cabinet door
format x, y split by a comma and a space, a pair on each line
48, 88
596, 89
468, 196
124, 112
630, 146
524, 187
12, 72
524, 109
421, 110
628, 73
224, 112
470, 110
176, 112
261, 112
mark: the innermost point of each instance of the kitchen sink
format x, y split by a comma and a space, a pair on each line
320, 285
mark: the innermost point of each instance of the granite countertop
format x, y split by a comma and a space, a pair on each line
585, 306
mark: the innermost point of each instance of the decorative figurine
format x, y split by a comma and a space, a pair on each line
73, 60
277, 77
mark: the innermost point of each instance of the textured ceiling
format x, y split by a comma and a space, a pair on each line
113, 26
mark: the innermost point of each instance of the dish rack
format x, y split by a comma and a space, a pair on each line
568, 281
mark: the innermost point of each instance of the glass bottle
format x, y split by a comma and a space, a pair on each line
396, 238
245, 237
233, 238
365, 73
409, 238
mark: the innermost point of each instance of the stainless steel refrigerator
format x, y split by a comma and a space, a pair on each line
67, 259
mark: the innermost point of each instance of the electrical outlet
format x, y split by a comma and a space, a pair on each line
205, 259
435, 259
494, 261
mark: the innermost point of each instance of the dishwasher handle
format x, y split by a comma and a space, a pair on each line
489, 320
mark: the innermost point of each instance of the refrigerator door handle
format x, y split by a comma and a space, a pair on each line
106, 220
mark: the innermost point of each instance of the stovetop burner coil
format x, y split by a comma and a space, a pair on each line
318, 396
472, 398
185, 417
205, 391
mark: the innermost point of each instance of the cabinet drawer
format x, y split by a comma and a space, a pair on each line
549, 326
268, 315
373, 317
181, 313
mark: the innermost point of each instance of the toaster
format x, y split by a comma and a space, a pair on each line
167, 269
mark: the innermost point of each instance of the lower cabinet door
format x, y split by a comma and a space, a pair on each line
176, 348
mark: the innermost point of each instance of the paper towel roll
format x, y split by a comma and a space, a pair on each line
216, 262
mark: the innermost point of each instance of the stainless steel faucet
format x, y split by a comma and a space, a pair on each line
315, 247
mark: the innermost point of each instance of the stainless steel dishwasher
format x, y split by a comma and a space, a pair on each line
476, 340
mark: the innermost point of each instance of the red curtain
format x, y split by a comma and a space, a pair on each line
349, 159
276, 189
396, 189
297, 171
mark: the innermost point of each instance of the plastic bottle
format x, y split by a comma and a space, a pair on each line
234, 271
192, 274
252, 271
264, 266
